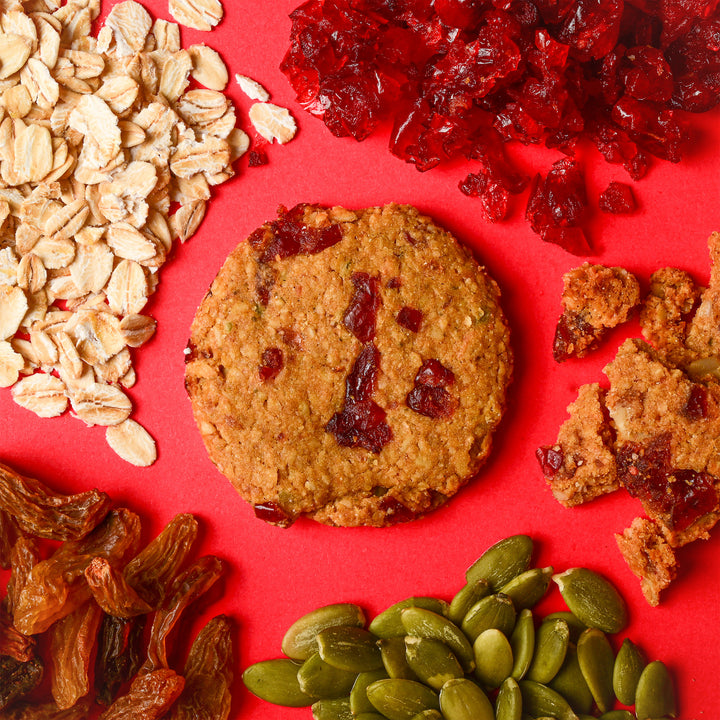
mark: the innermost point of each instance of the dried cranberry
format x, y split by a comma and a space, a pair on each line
646, 74
429, 396
361, 315
272, 513
289, 235
592, 26
272, 363
409, 318
573, 336
551, 459
618, 198
558, 203
679, 496
464, 14
695, 407
361, 422
256, 158
395, 511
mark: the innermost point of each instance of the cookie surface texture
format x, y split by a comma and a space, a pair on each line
349, 366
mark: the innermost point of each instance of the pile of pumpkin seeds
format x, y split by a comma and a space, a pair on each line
482, 656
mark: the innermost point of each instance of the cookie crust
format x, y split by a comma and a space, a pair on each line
269, 435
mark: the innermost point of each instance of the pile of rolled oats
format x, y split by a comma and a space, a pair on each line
108, 154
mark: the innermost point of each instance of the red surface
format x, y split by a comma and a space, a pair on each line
276, 575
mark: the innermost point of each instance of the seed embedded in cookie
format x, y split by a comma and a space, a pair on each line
349, 366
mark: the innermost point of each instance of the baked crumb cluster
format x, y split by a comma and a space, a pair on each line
652, 430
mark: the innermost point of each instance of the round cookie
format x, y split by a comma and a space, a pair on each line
349, 366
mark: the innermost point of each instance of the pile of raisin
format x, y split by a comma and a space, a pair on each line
459, 78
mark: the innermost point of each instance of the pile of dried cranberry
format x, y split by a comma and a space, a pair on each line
458, 78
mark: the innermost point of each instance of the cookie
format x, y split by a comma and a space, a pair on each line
349, 366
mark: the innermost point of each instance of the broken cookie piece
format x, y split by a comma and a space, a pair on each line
595, 299
649, 556
666, 312
581, 465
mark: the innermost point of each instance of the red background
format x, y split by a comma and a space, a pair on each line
276, 575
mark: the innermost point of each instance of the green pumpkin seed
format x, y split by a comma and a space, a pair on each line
425, 623
593, 599
508, 704
574, 625
493, 658
617, 715
526, 589
629, 664
432, 661
349, 648
388, 623
430, 714
551, 644
570, 683
465, 598
369, 716
502, 562
276, 681
539, 700
322, 681
522, 642
401, 699
462, 699
655, 694
392, 651
597, 660
493, 611
336, 709
299, 642
359, 702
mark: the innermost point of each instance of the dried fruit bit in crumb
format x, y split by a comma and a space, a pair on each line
581, 465
132, 443
595, 299
272, 122
618, 199
197, 14
252, 88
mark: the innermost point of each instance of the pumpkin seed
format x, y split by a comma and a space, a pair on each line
551, 644
392, 651
299, 642
432, 661
369, 716
570, 683
526, 589
502, 562
401, 699
617, 715
629, 664
359, 702
276, 681
336, 709
430, 714
349, 648
493, 658
593, 599
388, 623
425, 623
522, 642
539, 700
465, 598
574, 625
508, 704
323, 681
655, 694
493, 611
597, 660
462, 699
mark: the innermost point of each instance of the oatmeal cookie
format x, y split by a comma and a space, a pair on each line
349, 366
